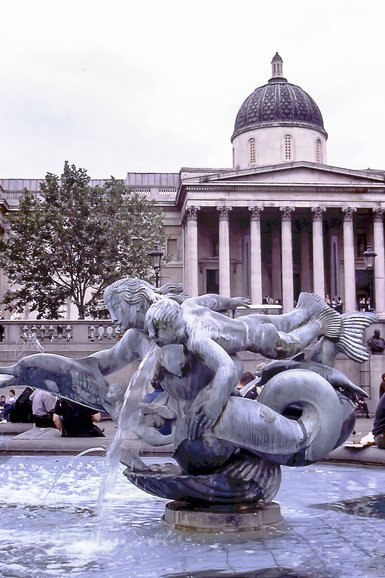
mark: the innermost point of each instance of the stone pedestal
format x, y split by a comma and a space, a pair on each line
224, 518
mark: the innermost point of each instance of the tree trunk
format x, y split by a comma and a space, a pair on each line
81, 309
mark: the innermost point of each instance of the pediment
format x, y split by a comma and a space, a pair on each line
304, 173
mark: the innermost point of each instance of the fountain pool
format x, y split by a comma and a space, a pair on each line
333, 527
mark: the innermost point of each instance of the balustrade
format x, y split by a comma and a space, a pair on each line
58, 332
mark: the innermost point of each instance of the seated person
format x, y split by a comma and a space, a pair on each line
76, 420
10, 401
245, 378
378, 430
2, 406
361, 405
43, 404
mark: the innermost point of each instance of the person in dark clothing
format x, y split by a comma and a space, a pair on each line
22, 412
378, 430
382, 386
76, 420
361, 405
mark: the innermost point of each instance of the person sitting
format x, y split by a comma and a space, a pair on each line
378, 430
376, 344
245, 378
10, 401
76, 420
43, 404
2, 406
361, 405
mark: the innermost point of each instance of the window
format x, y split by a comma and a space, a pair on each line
172, 249
251, 151
318, 151
288, 147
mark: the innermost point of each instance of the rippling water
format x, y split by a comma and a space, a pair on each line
61, 534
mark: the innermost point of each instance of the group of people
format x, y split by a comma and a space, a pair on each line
70, 418
7, 403
336, 303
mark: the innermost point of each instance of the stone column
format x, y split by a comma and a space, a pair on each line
379, 263
191, 251
224, 251
318, 252
255, 255
276, 264
287, 260
349, 264
305, 256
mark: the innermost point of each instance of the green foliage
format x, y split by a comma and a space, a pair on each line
72, 240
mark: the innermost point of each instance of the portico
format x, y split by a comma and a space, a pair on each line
279, 240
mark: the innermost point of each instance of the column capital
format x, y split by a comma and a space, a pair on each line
378, 215
348, 213
255, 213
191, 213
224, 213
286, 213
317, 213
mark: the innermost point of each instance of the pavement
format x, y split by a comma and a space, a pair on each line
25, 438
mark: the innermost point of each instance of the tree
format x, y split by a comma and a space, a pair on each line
72, 240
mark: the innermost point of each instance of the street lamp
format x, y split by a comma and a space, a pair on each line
156, 257
369, 256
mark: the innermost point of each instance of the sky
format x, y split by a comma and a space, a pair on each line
155, 85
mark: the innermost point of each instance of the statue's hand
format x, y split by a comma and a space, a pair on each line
202, 415
241, 302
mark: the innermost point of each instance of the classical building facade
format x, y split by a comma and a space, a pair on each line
279, 222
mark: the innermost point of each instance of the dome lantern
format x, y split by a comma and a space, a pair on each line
277, 69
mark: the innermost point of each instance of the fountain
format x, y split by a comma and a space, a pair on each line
332, 528
228, 450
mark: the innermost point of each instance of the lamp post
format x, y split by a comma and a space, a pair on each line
369, 256
156, 257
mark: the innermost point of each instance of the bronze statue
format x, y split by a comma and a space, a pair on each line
227, 448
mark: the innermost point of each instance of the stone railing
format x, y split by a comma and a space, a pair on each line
57, 332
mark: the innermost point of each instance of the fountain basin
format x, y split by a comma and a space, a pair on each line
332, 527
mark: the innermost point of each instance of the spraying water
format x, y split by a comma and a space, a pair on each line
126, 424
68, 466
27, 342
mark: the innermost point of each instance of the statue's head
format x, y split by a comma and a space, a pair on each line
128, 300
164, 322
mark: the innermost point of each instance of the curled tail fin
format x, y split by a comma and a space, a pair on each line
351, 340
330, 320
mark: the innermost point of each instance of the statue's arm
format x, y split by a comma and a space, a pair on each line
132, 346
210, 401
218, 302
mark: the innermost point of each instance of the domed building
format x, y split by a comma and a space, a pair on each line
280, 221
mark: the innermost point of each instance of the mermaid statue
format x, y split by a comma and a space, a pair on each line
226, 448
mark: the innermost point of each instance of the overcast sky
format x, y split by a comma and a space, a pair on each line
154, 85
